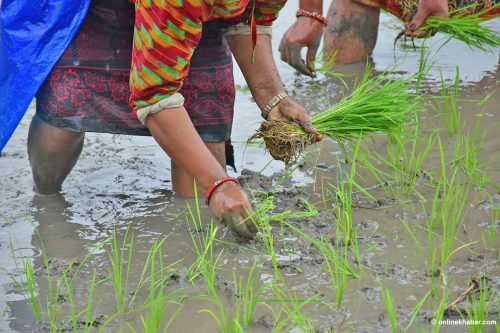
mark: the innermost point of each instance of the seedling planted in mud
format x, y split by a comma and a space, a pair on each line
262, 217
49, 309
336, 262
290, 316
446, 106
248, 295
205, 265
389, 307
120, 259
158, 300
478, 308
466, 157
490, 237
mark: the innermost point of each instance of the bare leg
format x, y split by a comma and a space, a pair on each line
351, 32
52, 152
182, 182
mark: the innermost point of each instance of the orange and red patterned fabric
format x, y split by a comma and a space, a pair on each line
167, 33
405, 9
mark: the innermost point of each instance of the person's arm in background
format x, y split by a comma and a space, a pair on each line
260, 71
263, 78
305, 32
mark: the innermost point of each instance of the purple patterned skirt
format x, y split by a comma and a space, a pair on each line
88, 89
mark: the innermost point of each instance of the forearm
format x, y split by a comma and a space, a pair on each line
261, 76
175, 133
312, 5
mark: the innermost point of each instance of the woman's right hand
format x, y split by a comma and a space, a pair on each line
230, 203
305, 32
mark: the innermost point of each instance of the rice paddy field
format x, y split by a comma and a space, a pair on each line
394, 233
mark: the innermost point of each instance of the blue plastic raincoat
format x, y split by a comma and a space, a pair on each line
33, 36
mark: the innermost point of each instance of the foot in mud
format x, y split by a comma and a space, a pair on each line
428, 8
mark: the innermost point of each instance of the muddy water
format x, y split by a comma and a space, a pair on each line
123, 181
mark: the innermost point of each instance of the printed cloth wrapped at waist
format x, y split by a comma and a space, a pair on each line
166, 34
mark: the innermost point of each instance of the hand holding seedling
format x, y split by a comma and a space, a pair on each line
291, 110
426, 8
264, 81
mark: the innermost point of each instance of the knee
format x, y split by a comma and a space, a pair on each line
352, 31
52, 139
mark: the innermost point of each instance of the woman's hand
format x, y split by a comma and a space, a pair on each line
425, 9
289, 109
305, 32
230, 203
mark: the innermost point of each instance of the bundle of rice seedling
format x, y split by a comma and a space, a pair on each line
378, 104
469, 28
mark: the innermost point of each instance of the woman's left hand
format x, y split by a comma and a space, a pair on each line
289, 109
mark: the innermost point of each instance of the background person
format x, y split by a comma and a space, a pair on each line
351, 26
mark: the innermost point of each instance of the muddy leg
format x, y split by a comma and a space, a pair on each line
182, 183
52, 152
351, 32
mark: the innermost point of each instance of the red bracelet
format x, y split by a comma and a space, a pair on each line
314, 15
214, 186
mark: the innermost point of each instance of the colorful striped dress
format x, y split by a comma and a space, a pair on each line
168, 31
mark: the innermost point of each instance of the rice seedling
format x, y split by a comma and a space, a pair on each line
203, 239
469, 28
416, 310
158, 300
450, 116
439, 314
408, 162
466, 157
248, 295
206, 264
88, 313
478, 309
47, 307
149, 272
389, 307
337, 267
490, 237
120, 258
32, 287
448, 212
425, 64
405, 158
336, 262
262, 217
342, 196
290, 316
378, 104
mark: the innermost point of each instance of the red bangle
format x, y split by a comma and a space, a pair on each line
315, 15
214, 186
